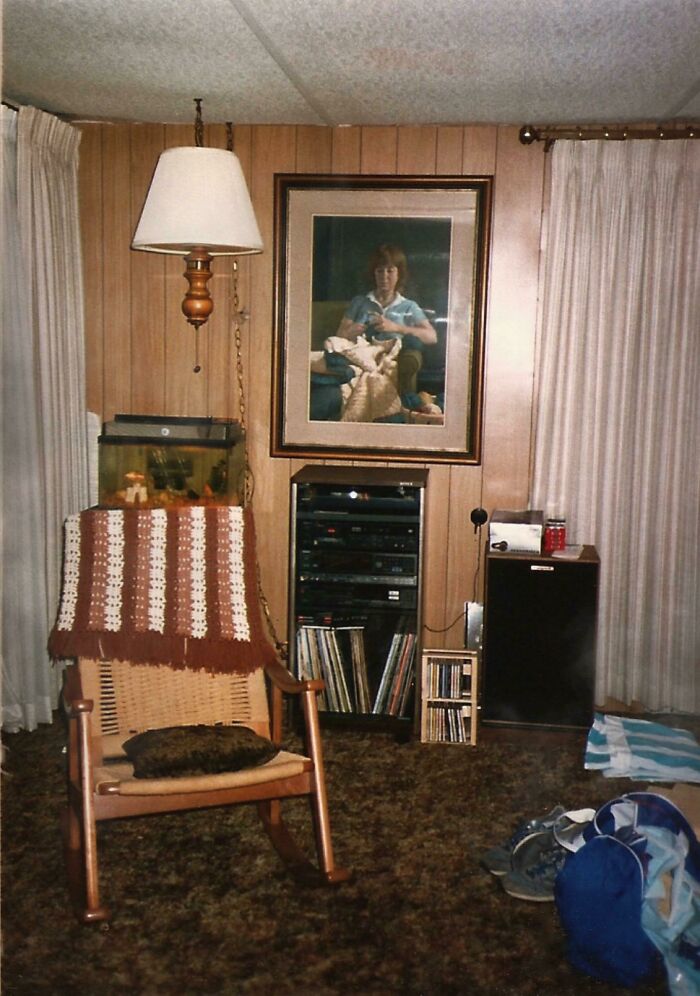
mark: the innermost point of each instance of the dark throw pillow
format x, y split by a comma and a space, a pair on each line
177, 751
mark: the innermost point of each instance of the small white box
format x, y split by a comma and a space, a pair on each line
516, 532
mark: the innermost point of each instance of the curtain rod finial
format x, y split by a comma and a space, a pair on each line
528, 135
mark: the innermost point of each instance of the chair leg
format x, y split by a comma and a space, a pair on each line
270, 812
284, 843
319, 800
91, 910
71, 825
72, 853
84, 900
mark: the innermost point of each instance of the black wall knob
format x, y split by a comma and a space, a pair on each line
478, 516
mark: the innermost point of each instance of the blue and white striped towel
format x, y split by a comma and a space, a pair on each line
637, 748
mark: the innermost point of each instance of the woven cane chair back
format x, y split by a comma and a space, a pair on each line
130, 698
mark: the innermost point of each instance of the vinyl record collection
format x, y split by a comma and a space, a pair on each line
337, 655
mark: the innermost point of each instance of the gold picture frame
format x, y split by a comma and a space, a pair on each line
329, 401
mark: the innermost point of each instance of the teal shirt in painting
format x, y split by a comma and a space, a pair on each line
402, 310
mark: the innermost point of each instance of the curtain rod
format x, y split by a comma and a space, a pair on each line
618, 133
18, 108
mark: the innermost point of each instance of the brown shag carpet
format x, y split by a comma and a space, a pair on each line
202, 905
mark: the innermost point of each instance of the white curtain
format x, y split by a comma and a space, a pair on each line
617, 442
43, 457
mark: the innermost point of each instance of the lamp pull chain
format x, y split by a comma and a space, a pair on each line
249, 482
197, 366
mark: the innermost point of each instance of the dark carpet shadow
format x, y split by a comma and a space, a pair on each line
202, 905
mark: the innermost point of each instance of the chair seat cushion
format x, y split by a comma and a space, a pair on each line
178, 751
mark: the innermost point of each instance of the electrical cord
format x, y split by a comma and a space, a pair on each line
463, 614
445, 629
477, 571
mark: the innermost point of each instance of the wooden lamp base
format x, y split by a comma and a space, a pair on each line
197, 304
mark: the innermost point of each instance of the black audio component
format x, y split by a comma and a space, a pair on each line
358, 499
355, 532
314, 598
344, 564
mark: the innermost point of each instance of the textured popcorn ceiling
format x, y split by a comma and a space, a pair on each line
356, 61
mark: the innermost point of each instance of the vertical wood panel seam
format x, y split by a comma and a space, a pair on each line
103, 265
131, 280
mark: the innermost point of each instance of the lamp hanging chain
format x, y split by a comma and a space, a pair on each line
198, 124
199, 142
249, 481
236, 321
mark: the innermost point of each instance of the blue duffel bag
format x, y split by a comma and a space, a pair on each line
629, 898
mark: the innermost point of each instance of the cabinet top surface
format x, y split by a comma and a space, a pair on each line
408, 476
589, 555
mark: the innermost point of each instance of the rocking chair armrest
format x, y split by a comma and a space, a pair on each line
286, 682
76, 706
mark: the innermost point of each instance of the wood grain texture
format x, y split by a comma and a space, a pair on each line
140, 350
274, 151
116, 267
510, 340
147, 284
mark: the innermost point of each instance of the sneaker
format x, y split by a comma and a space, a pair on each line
498, 860
534, 879
529, 851
570, 829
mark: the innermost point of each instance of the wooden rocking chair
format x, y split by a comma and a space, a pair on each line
110, 701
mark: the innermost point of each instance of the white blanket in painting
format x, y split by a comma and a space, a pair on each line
373, 392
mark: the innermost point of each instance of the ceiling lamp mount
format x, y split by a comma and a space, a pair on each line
198, 206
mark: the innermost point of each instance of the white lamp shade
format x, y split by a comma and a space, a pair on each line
198, 198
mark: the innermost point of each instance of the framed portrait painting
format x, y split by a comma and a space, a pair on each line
380, 308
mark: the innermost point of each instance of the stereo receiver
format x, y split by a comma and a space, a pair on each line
352, 534
357, 596
356, 565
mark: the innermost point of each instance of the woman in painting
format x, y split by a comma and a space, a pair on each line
384, 314
367, 371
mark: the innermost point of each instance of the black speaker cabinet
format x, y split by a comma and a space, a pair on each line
539, 640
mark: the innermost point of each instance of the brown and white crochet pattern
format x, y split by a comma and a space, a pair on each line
156, 585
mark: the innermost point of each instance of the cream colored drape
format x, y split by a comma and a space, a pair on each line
44, 460
617, 443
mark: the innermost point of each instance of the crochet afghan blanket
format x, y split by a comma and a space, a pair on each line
176, 586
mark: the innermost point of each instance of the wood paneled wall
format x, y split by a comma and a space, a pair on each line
140, 351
